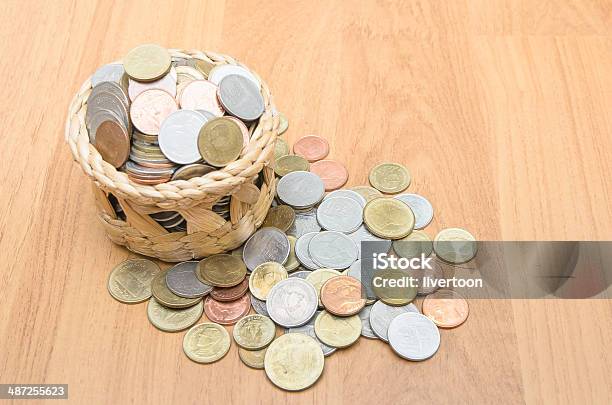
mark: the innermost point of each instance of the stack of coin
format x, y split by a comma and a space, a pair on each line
171, 220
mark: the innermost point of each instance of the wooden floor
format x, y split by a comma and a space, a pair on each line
501, 110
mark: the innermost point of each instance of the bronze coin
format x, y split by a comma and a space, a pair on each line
227, 313
113, 142
230, 293
342, 296
333, 174
311, 147
281, 217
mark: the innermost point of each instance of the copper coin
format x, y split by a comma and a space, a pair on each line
311, 147
230, 293
227, 313
113, 142
333, 174
201, 95
446, 308
150, 109
341, 295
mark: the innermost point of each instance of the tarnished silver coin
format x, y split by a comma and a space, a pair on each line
300, 274
241, 97
366, 328
340, 214
363, 235
420, 206
292, 302
382, 314
353, 195
301, 251
178, 136
300, 189
266, 245
113, 72
259, 306
332, 250
304, 223
309, 330
220, 72
182, 281
414, 336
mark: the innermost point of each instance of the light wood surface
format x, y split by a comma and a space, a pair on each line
501, 110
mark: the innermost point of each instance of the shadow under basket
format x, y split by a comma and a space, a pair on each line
182, 219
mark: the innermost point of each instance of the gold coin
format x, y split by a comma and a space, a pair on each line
292, 262
222, 270
281, 217
167, 298
290, 163
190, 171
390, 178
367, 192
294, 361
283, 124
264, 277
206, 342
130, 281
455, 245
220, 141
173, 320
253, 358
281, 148
398, 294
147, 63
337, 331
388, 218
254, 332
318, 277
413, 245
204, 66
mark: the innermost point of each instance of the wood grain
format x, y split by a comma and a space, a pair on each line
500, 108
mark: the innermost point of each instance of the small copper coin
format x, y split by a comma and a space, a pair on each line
447, 308
150, 109
113, 142
227, 313
230, 293
333, 174
311, 147
201, 95
341, 295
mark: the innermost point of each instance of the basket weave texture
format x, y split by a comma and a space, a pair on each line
207, 232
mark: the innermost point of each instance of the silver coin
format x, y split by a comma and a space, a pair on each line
164, 215
434, 274
103, 100
259, 306
113, 88
182, 281
218, 73
292, 302
414, 336
382, 314
366, 328
241, 97
309, 330
147, 171
340, 214
207, 114
353, 195
420, 206
300, 189
304, 223
363, 235
166, 83
266, 245
300, 274
301, 251
178, 136
332, 250
98, 118
113, 72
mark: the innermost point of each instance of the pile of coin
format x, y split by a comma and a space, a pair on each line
293, 291
159, 118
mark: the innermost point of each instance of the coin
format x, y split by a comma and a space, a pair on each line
182, 281
206, 342
264, 277
167, 298
301, 189
230, 293
227, 313
367, 192
220, 141
305, 222
433, 274
218, 73
333, 174
300, 274
318, 277
333, 250
455, 245
201, 95
254, 332
178, 136
130, 281
355, 272
363, 235
147, 62
281, 217
266, 245
253, 358
366, 328
309, 330
382, 314
292, 302
337, 331
280, 148
353, 195
447, 308
292, 262
166, 83
290, 163
301, 251
221, 270
112, 72
342, 296
311, 147
420, 206
283, 124
340, 214
391, 291
112, 142
240, 97
150, 109
190, 171
414, 245
259, 306
389, 178
187, 74
173, 320
414, 336
388, 218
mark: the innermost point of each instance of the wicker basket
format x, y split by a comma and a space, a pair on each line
207, 232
